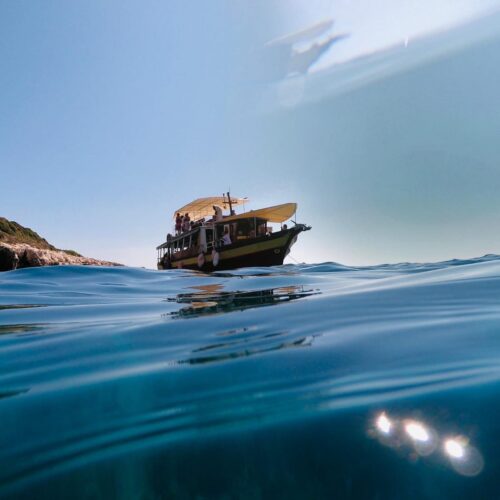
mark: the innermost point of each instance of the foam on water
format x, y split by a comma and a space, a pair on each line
259, 382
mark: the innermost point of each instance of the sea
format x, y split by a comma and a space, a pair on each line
296, 381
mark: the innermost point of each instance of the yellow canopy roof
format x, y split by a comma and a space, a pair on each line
278, 213
203, 207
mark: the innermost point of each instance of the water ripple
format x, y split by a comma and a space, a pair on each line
135, 360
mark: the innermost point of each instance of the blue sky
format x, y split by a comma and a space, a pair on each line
113, 114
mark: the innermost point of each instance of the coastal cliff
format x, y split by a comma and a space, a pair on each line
22, 247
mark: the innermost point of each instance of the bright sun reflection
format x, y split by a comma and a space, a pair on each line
417, 431
384, 424
423, 441
454, 448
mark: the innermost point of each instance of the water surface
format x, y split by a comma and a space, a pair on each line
306, 381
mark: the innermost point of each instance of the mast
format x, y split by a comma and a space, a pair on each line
230, 204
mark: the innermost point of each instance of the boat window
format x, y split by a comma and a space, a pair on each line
210, 237
219, 231
245, 228
194, 240
261, 227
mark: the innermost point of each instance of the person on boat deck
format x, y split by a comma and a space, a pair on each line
226, 239
186, 226
217, 213
178, 223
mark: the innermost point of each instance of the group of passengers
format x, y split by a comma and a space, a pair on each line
183, 224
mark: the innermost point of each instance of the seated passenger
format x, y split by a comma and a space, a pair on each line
226, 239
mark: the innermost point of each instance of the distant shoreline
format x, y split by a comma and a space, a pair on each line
21, 247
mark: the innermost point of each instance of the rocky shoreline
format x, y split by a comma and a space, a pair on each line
17, 256
21, 247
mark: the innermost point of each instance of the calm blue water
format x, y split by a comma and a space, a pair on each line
307, 381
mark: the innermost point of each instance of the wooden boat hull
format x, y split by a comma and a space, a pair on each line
257, 252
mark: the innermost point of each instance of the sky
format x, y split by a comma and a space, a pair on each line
114, 114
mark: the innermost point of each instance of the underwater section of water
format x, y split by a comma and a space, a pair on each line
307, 381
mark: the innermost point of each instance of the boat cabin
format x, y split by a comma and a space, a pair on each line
207, 236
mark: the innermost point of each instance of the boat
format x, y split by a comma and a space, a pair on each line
216, 241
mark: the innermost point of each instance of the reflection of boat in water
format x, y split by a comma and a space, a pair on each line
213, 300
230, 241
241, 341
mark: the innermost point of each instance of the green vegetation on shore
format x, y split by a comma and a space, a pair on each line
72, 252
12, 232
22, 247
